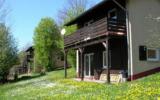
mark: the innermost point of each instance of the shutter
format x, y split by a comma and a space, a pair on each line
142, 53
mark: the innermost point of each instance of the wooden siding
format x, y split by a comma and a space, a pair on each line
118, 56
102, 27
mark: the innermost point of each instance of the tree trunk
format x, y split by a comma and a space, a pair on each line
4, 78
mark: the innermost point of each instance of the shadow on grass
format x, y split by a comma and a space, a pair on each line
26, 77
29, 77
59, 68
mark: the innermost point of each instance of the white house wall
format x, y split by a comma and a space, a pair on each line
144, 17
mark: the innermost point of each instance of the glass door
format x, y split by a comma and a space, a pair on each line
88, 63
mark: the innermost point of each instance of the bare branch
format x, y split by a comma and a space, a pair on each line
74, 8
4, 11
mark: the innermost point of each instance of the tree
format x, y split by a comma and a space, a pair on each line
4, 11
47, 42
8, 52
74, 9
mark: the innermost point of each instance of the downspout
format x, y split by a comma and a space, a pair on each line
129, 38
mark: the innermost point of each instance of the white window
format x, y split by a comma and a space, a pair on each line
105, 59
152, 54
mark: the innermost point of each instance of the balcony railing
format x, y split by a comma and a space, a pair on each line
99, 28
116, 25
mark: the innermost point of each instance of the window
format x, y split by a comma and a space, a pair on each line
105, 61
152, 54
142, 53
88, 23
112, 14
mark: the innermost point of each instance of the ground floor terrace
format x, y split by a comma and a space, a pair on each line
105, 59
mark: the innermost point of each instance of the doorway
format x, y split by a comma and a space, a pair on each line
88, 64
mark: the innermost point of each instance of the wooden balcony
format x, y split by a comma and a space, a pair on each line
97, 29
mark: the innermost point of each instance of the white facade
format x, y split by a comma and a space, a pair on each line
144, 20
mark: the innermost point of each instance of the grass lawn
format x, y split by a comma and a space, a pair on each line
53, 87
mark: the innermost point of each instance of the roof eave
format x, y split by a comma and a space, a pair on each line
74, 21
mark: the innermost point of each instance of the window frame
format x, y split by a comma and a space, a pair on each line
89, 22
157, 54
112, 11
89, 55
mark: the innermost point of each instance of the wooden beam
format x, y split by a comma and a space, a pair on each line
93, 41
87, 43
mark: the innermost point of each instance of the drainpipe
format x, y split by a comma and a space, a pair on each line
129, 38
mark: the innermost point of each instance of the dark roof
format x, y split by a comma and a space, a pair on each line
74, 21
29, 48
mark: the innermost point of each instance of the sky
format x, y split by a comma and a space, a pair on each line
25, 15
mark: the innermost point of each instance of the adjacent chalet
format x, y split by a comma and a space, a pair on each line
29, 58
28, 61
116, 40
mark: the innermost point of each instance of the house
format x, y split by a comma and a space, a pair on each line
116, 40
29, 60
25, 65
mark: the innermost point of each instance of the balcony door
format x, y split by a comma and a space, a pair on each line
88, 64
112, 14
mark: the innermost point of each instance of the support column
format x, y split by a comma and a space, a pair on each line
108, 54
107, 46
82, 63
65, 63
77, 64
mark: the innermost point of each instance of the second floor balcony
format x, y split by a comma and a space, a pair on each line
100, 28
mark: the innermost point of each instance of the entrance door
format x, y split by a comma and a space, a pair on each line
88, 63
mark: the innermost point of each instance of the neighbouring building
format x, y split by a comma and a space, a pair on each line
25, 65
29, 60
116, 40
